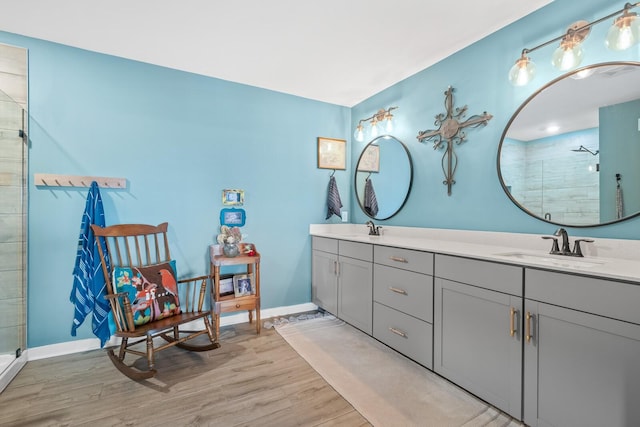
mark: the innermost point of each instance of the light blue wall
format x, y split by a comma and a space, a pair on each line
479, 76
180, 139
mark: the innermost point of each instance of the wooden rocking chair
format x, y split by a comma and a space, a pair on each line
146, 299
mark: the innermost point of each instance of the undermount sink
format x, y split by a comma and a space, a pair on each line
556, 260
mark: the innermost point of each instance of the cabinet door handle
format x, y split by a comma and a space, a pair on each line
528, 323
397, 291
397, 332
398, 259
512, 321
336, 268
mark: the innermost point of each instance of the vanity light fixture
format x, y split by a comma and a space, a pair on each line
381, 118
624, 33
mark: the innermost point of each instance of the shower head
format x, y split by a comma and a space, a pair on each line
584, 149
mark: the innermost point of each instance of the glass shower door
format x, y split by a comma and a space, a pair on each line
13, 212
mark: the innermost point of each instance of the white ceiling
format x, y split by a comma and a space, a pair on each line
337, 51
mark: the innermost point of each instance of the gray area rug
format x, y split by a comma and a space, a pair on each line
385, 387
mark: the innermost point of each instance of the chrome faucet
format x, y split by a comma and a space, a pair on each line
373, 229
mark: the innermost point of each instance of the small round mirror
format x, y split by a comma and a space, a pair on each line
383, 177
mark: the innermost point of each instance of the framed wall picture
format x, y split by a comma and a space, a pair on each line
233, 217
332, 153
370, 159
233, 197
242, 285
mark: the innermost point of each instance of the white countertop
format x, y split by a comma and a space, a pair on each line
607, 258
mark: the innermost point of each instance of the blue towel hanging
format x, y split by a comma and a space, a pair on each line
333, 199
89, 286
370, 199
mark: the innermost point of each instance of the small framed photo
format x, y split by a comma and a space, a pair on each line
226, 285
233, 197
232, 217
332, 153
242, 285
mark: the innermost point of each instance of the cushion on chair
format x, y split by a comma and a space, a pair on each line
153, 290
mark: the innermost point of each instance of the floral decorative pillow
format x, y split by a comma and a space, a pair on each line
153, 290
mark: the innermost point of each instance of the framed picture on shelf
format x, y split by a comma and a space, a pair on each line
332, 153
242, 285
226, 285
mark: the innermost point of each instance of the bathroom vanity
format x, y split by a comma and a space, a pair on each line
550, 340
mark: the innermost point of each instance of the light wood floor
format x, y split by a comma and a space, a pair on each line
250, 381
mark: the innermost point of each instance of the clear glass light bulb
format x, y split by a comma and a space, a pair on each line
567, 56
374, 129
359, 134
523, 71
389, 125
624, 33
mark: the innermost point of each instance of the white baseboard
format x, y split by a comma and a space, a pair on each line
79, 346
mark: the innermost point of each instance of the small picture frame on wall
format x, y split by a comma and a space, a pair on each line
233, 217
332, 153
242, 285
233, 197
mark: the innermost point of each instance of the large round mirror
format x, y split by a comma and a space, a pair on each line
570, 155
383, 177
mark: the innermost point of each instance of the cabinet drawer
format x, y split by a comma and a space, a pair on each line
488, 275
407, 335
324, 244
362, 251
617, 300
236, 304
409, 292
407, 259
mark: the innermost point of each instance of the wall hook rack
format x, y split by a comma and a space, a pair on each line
54, 180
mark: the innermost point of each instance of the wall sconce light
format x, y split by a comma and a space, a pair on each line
624, 33
381, 118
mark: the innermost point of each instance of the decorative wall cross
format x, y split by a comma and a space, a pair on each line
450, 131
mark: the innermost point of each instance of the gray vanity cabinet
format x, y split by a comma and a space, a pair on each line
403, 302
478, 330
342, 276
324, 274
581, 351
355, 284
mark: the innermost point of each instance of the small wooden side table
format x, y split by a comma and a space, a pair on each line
230, 303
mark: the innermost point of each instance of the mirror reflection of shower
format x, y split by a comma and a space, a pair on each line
584, 149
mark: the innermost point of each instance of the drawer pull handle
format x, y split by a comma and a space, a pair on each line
398, 259
237, 305
397, 291
398, 332
512, 321
529, 336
